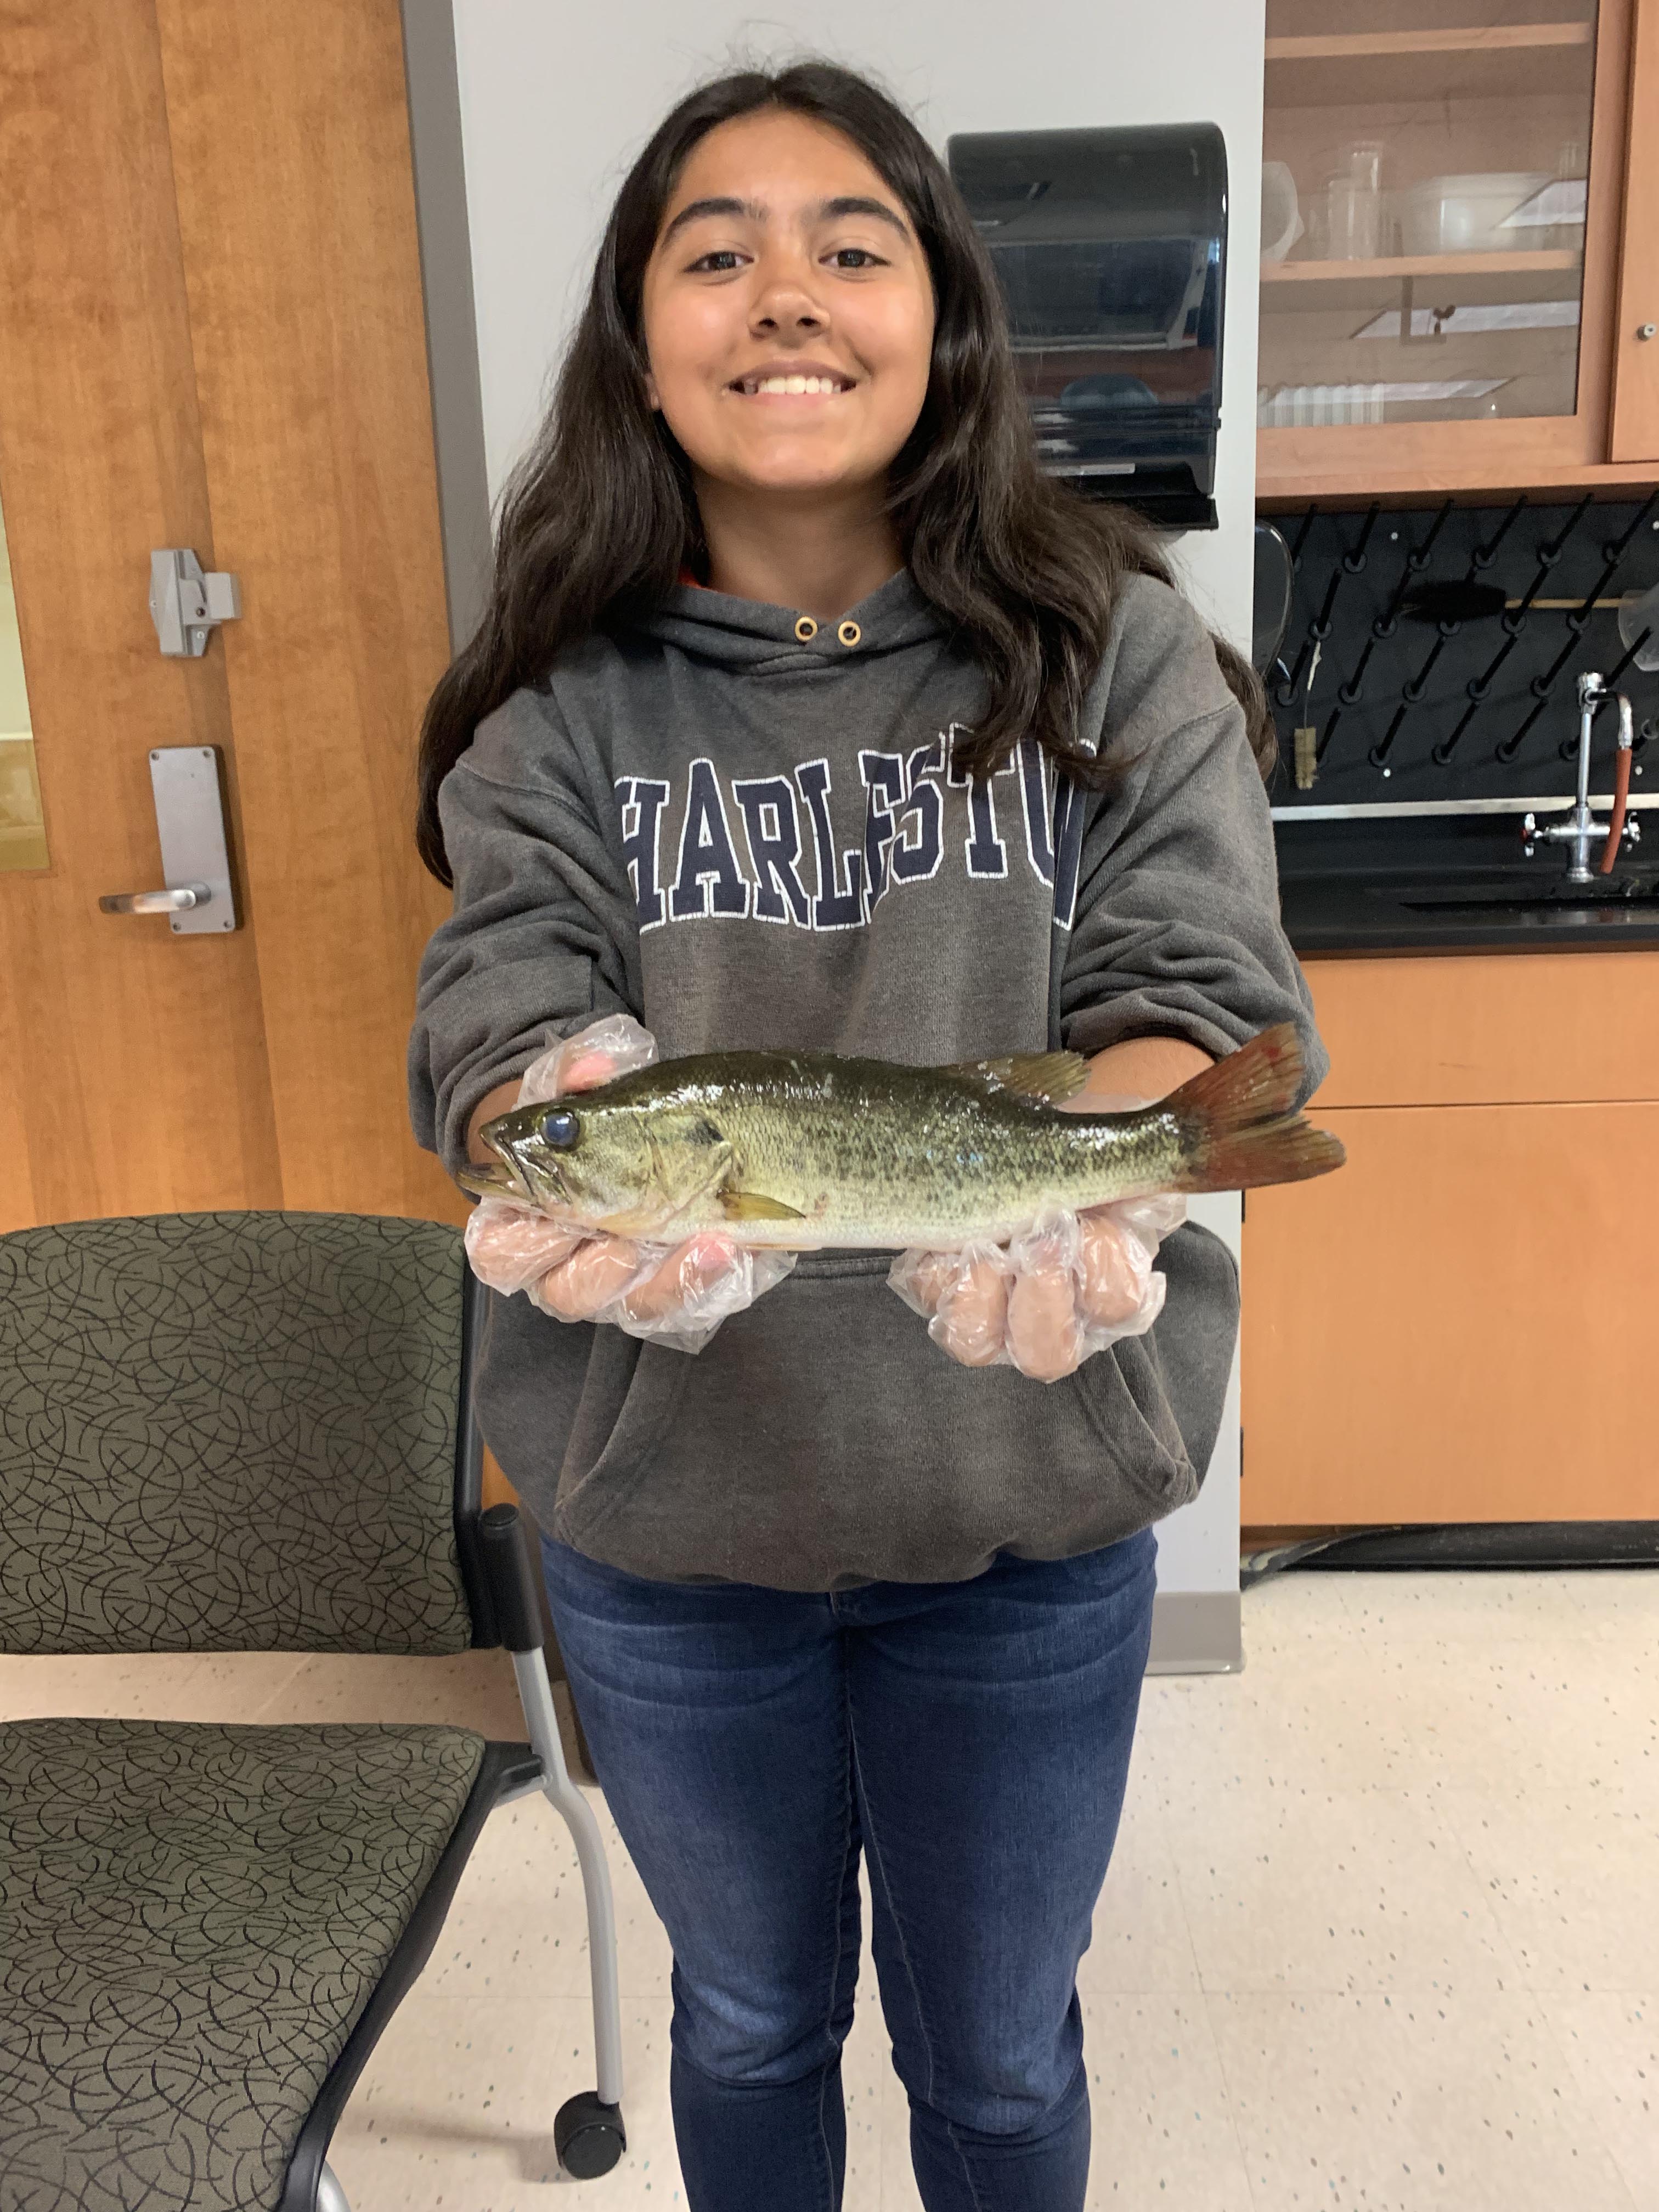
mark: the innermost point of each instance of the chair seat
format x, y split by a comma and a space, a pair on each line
192, 1916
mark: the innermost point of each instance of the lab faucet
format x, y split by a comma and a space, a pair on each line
1581, 829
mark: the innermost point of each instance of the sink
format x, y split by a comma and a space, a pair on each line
1561, 900
1408, 911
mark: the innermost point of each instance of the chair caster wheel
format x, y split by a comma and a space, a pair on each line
588, 2136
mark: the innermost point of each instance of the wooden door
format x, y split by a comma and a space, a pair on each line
212, 337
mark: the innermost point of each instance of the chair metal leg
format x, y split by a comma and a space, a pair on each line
331, 2197
536, 1695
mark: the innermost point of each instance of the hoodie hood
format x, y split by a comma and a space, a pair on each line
751, 634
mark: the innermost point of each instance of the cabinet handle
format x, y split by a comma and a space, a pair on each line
1647, 330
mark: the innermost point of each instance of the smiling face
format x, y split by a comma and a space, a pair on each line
788, 310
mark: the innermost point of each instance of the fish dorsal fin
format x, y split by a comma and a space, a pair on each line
1048, 1077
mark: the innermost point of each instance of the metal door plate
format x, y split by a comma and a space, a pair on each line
189, 820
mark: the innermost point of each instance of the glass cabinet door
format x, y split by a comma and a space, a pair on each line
1424, 200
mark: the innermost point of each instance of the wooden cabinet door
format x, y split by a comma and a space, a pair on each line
1488, 1028
1635, 425
213, 337
1458, 1326
1481, 97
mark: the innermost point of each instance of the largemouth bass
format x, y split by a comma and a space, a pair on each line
807, 1151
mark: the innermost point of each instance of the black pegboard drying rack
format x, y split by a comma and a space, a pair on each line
1431, 740
1411, 715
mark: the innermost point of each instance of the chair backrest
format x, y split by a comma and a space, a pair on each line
231, 1433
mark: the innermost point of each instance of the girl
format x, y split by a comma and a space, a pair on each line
807, 714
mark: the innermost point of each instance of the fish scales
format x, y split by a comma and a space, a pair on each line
869, 1154
812, 1150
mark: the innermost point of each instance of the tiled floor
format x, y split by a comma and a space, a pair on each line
1381, 1931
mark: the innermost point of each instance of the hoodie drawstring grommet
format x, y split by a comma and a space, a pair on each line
849, 633
806, 629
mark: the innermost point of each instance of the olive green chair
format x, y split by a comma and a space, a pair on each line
244, 1432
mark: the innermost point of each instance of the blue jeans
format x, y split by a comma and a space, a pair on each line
973, 1739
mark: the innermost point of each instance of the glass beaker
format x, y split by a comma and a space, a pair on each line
1353, 205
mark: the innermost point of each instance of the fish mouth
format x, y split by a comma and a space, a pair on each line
488, 1179
500, 1177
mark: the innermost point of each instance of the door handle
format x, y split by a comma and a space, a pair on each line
190, 826
181, 900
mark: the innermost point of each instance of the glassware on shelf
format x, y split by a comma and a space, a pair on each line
1281, 215
1353, 205
1438, 156
1475, 213
1300, 406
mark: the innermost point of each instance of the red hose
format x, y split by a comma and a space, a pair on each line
1620, 799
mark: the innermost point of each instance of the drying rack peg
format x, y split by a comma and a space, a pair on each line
1479, 686
1626, 658
1514, 618
1302, 535
1354, 559
1378, 754
1541, 686
1614, 552
1511, 746
1418, 558
1412, 689
1483, 554
1388, 620
1550, 552
1320, 627
1287, 691
1350, 692
1441, 755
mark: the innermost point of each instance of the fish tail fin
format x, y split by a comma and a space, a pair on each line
1239, 1124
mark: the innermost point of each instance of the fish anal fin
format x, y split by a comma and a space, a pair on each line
1050, 1078
755, 1206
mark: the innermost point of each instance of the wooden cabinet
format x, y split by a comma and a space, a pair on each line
1458, 1326
1459, 295
1459, 235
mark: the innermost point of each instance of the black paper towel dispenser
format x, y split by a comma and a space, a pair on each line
1111, 249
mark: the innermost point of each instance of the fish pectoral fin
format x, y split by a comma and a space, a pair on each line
755, 1206
1048, 1077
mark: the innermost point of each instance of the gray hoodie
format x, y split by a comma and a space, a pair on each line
745, 831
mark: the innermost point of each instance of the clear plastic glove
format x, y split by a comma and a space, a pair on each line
1073, 1284
673, 1294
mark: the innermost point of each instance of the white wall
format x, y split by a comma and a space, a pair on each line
557, 100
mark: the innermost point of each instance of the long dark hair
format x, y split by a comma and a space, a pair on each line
600, 514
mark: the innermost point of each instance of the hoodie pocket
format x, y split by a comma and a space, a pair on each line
630, 1402
1123, 1399
822, 1439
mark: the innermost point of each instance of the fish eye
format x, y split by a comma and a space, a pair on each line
559, 1129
